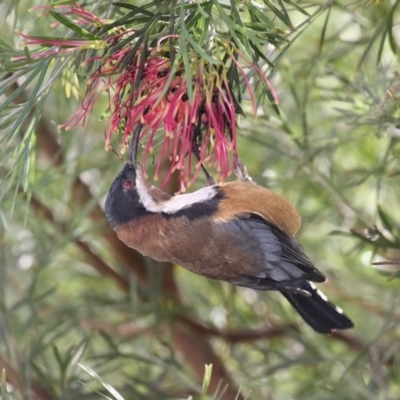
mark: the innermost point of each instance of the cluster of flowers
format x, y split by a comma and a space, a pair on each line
196, 110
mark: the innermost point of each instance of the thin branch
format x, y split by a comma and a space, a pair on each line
242, 335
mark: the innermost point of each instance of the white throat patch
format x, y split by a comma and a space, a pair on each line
175, 203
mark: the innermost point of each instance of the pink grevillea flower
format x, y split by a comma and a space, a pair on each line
65, 46
57, 46
194, 106
155, 93
79, 14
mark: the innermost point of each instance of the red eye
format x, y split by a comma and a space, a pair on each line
127, 184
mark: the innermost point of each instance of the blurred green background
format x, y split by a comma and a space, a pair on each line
83, 317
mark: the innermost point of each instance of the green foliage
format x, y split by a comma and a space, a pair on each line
82, 319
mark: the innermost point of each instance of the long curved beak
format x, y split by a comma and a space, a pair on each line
132, 156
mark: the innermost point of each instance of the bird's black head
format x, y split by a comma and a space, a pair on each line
123, 203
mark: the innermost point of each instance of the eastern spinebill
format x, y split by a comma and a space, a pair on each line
236, 232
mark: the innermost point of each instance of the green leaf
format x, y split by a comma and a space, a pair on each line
232, 30
153, 17
297, 7
4, 391
16, 93
283, 16
97, 378
323, 33
75, 28
367, 49
206, 381
260, 16
386, 222
186, 35
41, 70
138, 10
392, 41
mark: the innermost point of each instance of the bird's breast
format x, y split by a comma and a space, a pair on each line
147, 235
200, 246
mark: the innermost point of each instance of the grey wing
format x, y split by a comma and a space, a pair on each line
280, 261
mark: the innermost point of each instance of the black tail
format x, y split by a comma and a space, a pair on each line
317, 311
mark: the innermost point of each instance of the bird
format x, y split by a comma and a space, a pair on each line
237, 232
